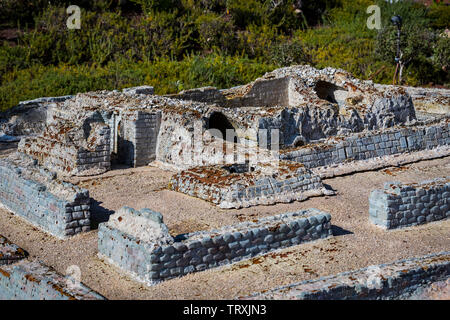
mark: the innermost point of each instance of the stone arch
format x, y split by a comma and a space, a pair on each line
329, 91
219, 121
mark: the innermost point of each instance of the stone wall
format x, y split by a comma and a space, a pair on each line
364, 146
28, 117
9, 252
386, 281
264, 93
262, 183
146, 90
428, 100
205, 94
402, 205
35, 194
154, 261
70, 148
138, 137
31, 280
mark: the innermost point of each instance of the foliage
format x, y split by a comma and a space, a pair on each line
167, 76
417, 41
180, 44
441, 53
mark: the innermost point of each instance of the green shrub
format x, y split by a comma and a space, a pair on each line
167, 76
257, 41
441, 53
181, 44
416, 42
216, 32
285, 54
158, 5
439, 16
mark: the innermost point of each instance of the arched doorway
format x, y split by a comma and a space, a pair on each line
218, 121
329, 91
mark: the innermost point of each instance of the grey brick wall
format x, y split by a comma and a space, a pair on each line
140, 136
31, 280
386, 281
58, 214
292, 182
402, 205
70, 159
97, 159
151, 263
365, 146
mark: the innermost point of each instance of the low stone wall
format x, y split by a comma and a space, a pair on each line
9, 252
386, 281
70, 159
403, 205
205, 94
31, 280
265, 183
154, 261
364, 146
264, 93
36, 195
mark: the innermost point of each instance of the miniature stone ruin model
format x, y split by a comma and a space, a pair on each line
285, 109
273, 141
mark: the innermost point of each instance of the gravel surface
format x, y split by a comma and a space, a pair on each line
357, 243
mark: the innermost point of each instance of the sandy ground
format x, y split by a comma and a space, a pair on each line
356, 244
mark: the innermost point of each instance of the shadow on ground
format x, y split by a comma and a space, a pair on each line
99, 213
338, 231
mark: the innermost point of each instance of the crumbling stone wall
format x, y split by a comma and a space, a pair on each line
31, 280
163, 258
9, 252
35, 194
313, 104
264, 93
385, 281
402, 205
244, 185
427, 100
205, 94
73, 143
28, 117
369, 145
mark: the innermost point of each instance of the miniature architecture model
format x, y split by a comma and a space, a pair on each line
270, 141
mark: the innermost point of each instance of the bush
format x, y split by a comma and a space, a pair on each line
257, 41
416, 42
216, 32
20, 12
180, 44
167, 76
441, 53
439, 16
285, 54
